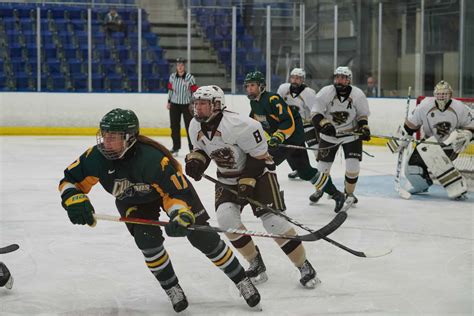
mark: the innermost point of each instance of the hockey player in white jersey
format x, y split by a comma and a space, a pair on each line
447, 121
238, 146
297, 94
342, 108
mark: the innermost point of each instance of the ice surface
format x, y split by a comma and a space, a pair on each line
65, 269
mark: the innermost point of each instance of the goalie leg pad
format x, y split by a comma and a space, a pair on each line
414, 175
443, 169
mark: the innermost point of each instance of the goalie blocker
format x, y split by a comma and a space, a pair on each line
439, 162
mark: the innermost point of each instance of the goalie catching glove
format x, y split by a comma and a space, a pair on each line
179, 221
459, 140
78, 207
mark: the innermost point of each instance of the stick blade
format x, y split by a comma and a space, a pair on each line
8, 249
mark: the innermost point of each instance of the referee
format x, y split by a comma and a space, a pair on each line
181, 86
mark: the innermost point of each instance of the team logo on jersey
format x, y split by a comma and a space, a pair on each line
124, 189
340, 117
443, 128
224, 157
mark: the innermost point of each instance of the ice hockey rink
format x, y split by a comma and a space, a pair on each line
65, 269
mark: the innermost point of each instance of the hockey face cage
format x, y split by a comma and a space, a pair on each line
210, 94
442, 93
114, 145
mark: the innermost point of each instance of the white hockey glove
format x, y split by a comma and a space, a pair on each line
459, 139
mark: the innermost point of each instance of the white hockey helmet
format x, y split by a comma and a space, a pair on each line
343, 71
299, 72
211, 94
442, 93
219, 95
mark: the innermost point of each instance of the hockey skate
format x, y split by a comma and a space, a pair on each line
354, 198
256, 271
308, 276
6, 278
293, 175
177, 297
339, 198
250, 293
316, 196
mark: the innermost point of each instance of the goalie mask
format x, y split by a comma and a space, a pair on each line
117, 134
443, 93
208, 101
297, 78
342, 81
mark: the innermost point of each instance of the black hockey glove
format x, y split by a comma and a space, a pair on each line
323, 125
364, 130
327, 128
179, 221
196, 164
78, 207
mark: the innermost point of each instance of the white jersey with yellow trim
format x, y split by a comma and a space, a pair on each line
237, 135
441, 123
342, 114
303, 101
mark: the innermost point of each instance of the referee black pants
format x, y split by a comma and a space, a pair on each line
175, 123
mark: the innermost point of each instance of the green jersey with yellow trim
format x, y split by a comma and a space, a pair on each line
277, 116
144, 175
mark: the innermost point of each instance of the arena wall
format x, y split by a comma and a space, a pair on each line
80, 113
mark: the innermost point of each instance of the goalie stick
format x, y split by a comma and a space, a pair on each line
329, 240
404, 194
316, 235
9, 248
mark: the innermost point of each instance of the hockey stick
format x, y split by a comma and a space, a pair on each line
9, 248
205, 228
306, 148
337, 220
404, 194
329, 240
389, 137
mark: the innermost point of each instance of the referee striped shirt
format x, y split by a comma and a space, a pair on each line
181, 88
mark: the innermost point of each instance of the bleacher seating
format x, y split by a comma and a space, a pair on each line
217, 27
64, 50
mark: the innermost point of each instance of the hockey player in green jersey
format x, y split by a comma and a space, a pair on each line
284, 126
144, 178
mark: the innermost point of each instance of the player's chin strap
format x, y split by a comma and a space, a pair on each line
278, 213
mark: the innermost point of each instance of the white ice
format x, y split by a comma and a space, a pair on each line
65, 269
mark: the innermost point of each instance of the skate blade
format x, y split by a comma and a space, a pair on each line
9, 284
259, 279
312, 284
257, 308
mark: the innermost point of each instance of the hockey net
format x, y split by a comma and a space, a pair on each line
465, 161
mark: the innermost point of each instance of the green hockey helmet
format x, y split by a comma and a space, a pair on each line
118, 132
258, 78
